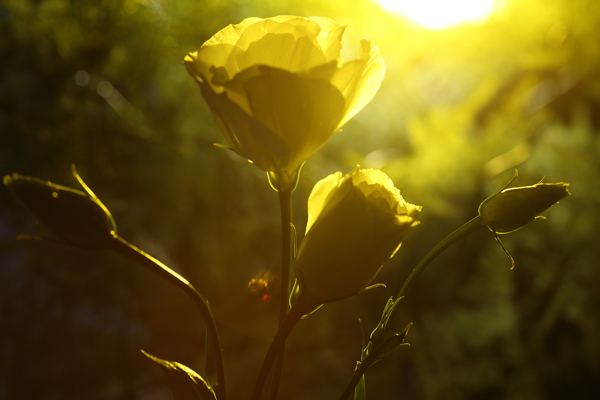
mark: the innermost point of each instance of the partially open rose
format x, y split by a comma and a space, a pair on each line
355, 224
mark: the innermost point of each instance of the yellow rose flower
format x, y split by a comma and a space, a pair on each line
278, 89
355, 224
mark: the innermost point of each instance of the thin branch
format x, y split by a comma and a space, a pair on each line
130, 251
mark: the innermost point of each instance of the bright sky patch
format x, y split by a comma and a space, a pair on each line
439, 14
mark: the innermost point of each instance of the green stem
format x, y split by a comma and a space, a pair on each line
130, 251
276, 347
285, 204
358, 373
458, 234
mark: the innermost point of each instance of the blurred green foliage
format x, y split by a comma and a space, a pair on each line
100, 84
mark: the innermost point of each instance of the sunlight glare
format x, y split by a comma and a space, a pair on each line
438, 14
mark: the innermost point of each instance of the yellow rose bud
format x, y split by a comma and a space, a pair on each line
74, 217
510, 209
355, 224
278, 89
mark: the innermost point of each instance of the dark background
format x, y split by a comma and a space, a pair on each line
101, 84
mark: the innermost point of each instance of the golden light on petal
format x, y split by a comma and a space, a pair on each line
439, 14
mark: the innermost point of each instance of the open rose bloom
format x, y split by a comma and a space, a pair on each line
278, 89
355, 224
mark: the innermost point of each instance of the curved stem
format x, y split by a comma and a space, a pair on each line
289, 322
459, 233
130, 251
285, 204
464, 230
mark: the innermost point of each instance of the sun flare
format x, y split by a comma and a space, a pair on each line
439, 14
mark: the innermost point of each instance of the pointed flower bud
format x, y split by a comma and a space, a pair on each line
278, 89
355, 224
72, 216
510, 209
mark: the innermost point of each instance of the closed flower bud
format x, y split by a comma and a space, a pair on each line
355, 224
277, 87
72, 216
510, 209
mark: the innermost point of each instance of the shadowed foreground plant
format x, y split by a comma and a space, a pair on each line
79, 219
71, 216
355, 224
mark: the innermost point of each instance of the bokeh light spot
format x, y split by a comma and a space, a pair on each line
105, 88
82, 78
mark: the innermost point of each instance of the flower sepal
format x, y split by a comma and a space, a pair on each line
378, 335
389, 345
284, 181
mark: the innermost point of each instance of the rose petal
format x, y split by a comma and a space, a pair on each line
330, 37
318, 196
360, 79
245, 135
325, 33
282, 51
304, 111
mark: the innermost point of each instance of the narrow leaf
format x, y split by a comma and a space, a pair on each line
390, 345
360, 390
512, 260
387, 348
375, 286
185, 382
